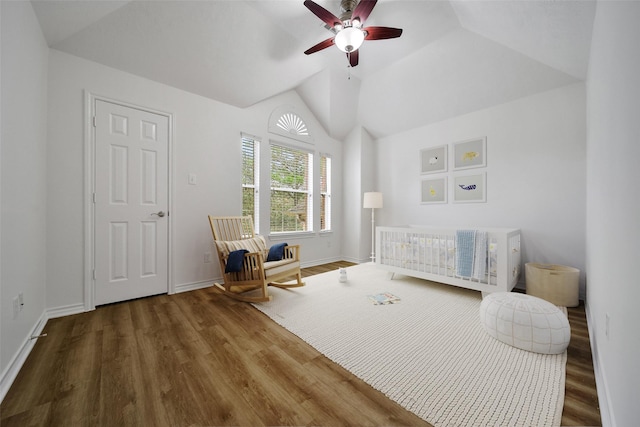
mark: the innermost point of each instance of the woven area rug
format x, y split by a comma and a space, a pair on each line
428, 351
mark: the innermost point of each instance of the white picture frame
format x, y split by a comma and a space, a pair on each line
471, 153
470, 188
433, 160
434, 190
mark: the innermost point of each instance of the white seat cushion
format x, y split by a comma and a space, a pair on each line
525, 322
272, 268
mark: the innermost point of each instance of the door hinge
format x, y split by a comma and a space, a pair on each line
94, 275
93, 197
94, 121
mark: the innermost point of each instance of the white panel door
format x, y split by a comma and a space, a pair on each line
131, 203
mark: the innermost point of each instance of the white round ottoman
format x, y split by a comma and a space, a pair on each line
526, 322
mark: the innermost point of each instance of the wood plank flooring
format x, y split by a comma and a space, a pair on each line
199, 358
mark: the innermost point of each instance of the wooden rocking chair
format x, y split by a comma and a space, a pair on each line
247, 277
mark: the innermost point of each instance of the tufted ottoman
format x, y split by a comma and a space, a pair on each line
525, 322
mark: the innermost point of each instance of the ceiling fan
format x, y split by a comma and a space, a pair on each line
349, 29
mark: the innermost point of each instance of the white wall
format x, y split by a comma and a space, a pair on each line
351, 213
613, 209
369, 174
23, 192
206, 142
359, 177
535, 174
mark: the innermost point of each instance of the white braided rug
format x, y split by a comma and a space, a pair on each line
428, 352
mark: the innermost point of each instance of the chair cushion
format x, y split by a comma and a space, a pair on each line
253, 244
272, 268
525, 322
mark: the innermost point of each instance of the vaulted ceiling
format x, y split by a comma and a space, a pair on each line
454, 57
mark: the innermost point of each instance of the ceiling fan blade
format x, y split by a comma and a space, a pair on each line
353, 57
379, 33
329, 18
322, 45
363, 9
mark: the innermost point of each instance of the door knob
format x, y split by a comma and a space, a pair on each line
160, 214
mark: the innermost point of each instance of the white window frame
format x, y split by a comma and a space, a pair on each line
326, 194
309, 190
256, 179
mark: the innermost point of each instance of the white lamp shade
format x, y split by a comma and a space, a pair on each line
349, 39
372, 200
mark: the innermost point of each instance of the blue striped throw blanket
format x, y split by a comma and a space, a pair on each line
465, 249
480, 256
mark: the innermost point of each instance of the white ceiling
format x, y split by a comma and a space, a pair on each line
454, 57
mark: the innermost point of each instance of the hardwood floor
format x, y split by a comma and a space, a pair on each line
581, 406
199, 358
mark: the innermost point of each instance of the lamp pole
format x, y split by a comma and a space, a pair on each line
373, 233
373, 201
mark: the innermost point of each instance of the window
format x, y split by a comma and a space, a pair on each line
292, 124
291, 184
250, 174
286, 122
325, 192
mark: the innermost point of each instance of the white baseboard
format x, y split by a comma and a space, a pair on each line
11, 372
354, 260
320, 262
66, 310
606, 416
186, 287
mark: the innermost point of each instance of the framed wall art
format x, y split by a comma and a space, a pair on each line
434, 190
470, 188
433, 160
470, 154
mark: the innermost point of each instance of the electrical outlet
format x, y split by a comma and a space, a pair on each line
193, 179
207, 257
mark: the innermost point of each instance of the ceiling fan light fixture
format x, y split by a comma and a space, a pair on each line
349, 39
349, 29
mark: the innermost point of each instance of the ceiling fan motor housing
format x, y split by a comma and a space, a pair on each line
346, 8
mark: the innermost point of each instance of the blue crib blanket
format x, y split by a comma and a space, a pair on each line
480, 255
465, 249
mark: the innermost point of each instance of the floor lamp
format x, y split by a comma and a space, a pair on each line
372, 201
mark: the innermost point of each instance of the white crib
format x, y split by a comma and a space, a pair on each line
430, 253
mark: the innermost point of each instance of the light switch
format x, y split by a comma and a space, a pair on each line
193, 180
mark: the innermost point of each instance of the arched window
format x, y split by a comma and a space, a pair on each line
285, 121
